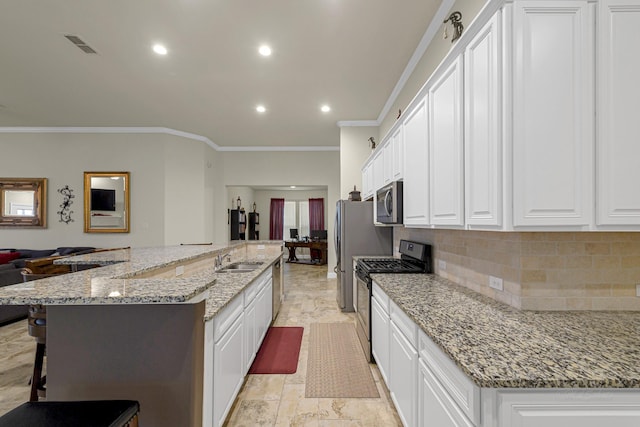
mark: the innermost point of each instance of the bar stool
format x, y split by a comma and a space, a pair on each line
94, 413
37, 327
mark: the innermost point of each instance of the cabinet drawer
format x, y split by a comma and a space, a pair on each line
226, 317
404, 323
380, 296
251, 291
462, 390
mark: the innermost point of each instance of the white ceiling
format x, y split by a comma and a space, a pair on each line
347, 53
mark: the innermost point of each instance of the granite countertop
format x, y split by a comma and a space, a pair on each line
499, 346
230, 285
118, 282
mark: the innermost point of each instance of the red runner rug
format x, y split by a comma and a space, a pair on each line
279, 351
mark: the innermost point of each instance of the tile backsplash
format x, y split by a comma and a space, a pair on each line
540, 270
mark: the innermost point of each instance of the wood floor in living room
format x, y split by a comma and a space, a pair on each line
265, 400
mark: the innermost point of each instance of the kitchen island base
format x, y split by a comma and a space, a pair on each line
149, 353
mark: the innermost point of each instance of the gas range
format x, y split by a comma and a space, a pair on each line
389, 265
414, 258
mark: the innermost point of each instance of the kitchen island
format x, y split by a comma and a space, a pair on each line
479, 362
136, 328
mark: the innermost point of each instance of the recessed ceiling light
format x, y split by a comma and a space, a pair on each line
325, 108
261, 109
264, 50
159, 49
292, 186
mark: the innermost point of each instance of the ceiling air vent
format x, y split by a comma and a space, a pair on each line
80, 43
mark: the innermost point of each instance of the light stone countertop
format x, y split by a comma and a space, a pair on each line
499, 346
118, 282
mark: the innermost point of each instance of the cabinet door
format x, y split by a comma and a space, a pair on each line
446, 191
482, 118
553, 91
618, 148
380, 338
228, 370
250, 337
398, 154
403, 376
367, 183
263, 311
416, 167
436, 408
388, 161
378, 169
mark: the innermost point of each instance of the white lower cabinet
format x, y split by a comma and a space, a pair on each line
403, 376
228, 369
436, 408
380, 325
429, 390
232, 339
263, 311
250, 335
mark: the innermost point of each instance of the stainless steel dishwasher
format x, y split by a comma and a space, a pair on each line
277, 279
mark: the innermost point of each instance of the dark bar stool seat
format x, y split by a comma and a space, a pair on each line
91, 413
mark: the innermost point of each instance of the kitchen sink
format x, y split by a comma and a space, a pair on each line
240, 267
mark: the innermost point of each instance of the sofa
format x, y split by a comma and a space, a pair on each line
12, 261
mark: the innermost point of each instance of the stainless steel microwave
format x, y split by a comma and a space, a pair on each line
389, 203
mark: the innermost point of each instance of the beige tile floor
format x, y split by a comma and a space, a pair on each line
278, 400
265, 400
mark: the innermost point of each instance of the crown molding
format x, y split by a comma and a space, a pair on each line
432, 30
158, 130
358, 123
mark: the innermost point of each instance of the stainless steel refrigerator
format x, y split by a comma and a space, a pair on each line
355, 234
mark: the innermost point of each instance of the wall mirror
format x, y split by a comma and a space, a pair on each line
106, 202
23, 202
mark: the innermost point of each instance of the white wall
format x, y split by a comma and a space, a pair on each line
166, 173
354, 151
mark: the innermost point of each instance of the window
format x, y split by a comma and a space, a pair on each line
296, 215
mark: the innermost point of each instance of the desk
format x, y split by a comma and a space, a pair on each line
320, 245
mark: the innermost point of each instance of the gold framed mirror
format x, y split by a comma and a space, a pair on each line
23, 202
106, 202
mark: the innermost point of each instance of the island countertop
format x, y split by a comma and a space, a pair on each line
119, 281
498, 346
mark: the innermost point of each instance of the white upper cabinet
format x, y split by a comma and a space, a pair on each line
398, 155
553, 111
367, 181
387, 153
416, 167
482, 118
378, 169
618, 148
446, 163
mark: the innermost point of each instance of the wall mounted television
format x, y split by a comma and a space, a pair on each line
103, 200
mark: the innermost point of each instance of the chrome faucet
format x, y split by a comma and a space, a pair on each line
219, 258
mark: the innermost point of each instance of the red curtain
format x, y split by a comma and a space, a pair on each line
276, 219
316, 214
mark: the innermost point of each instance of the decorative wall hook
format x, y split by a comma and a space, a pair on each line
65, 207
456, 22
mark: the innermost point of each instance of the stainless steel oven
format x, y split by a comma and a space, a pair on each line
363, 312
389, 204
